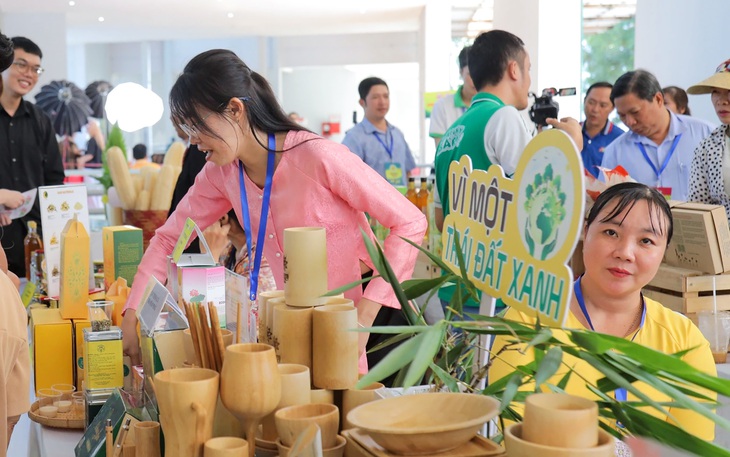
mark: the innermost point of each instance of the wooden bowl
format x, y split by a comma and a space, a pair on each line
517, 447
337, 451
424, 423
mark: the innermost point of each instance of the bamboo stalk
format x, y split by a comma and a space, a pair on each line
214, 341
217, 334
193, 323
109, 437
206, 337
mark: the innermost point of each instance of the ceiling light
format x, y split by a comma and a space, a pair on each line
101, 19
230, 15
72, 3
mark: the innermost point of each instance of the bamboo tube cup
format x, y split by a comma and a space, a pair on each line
147, 439
334, 348
305, 266
292, 333
264, 327
295, 390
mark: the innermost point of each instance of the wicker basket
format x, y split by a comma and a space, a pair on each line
63, 420
148, 221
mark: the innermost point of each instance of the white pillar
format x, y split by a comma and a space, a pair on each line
434, 63
48, 31
552, 32
668, 44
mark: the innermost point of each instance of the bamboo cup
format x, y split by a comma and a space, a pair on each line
305, 266
548, 416
147, 439
186, 399
264, 326
295, 390
352, 398
292, 333
226, 446
322, 396
334, 347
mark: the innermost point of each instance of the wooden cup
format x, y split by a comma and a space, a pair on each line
226, 446
186, 398
334, 347
305, 266
264, 326
352, 398
292, 421
147, 439
295, 390
559, 420
321, 396
292, 333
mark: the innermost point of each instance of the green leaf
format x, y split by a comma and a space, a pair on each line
451, 383
543, 336
549, 365
394, 361
564, 380
395, 329
510, 390
425, 355
349, 286
415, 288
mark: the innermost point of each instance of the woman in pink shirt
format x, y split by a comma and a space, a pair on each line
299, 180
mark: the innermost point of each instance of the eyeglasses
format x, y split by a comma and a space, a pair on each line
193, 130
24, 66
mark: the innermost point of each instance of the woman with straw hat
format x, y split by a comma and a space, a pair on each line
710, 176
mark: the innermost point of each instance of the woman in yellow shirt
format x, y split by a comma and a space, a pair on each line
626, 233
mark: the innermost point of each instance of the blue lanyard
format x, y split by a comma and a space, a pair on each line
659, 172
620, 393
260, 239
389, 150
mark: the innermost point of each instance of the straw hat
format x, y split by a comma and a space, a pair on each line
720, 80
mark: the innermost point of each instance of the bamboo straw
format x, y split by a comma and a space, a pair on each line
206, 336
237, 336
194, 334
216, 352
217, 334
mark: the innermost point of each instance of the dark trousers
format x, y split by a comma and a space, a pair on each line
386, 317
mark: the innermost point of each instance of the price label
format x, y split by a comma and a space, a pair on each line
28, 293
187, 232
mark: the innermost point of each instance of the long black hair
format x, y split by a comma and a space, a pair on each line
211, 79
626, 195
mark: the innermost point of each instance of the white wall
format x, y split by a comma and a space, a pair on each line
682, 43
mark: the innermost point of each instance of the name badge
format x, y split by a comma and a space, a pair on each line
394, 174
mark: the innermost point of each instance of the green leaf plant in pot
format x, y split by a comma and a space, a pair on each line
447, 356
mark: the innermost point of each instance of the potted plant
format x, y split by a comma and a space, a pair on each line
446, 354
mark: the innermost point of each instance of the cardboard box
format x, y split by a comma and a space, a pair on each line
203, 285
79, 325
123, 248
52, 340
701, 239
103, 359
75, 254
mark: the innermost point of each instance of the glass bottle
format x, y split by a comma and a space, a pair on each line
411, 193
32, 242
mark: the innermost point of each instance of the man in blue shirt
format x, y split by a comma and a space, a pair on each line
376, 141
659, 149
598, 131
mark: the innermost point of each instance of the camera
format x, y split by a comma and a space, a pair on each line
545, 107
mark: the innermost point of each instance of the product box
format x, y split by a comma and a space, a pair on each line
79, 325
203, 285
75, 254
52, 340
123, 248
104, 368
701, 239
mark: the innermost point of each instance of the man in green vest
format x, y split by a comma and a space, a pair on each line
492, 131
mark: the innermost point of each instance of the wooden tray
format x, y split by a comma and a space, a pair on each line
477, 447
69, 420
